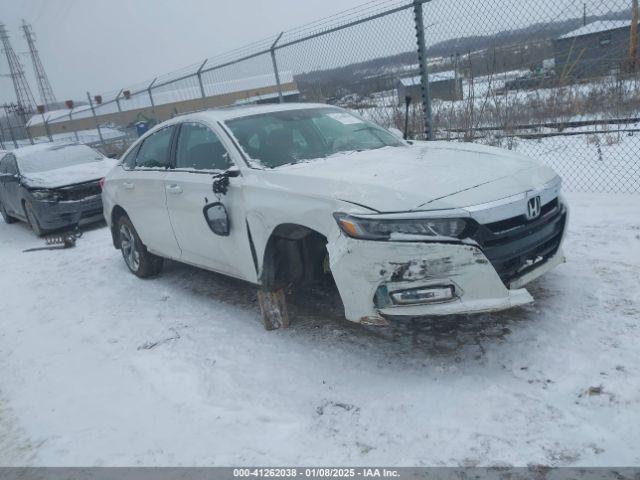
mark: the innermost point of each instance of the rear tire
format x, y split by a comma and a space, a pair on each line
33, 220
5, 216
136, 256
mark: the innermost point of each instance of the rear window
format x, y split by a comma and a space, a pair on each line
58, 157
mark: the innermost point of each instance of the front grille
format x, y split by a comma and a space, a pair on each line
79, 192
516, 246
519, 221
91, 213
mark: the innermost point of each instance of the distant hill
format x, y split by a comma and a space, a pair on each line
517, 49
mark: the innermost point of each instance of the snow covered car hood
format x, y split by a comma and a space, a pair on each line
61, 177
420, 177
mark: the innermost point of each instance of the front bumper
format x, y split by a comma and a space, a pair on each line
64, 214
363, 269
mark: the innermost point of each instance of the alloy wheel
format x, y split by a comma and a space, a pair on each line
129, 248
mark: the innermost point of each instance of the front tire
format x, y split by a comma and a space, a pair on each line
5, 216
136, 256
33, 220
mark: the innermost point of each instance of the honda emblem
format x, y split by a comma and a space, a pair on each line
533, 208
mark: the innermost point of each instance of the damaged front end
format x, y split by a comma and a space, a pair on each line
461, 261
62, 207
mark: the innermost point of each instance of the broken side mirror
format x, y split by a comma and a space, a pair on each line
217, 219
221, 181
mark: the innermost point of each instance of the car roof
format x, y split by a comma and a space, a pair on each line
227, 113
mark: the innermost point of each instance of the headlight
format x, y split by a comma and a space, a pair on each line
409, 229
45, 195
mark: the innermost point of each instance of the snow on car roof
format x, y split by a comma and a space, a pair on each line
228, 113
597, 27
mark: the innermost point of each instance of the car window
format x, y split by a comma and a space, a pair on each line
290, 136
154, 152
56, 156
11, 166
3, 164
129, 160
199, 148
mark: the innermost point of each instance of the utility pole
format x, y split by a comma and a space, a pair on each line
584, 14
633, 48
44, 87
24, 97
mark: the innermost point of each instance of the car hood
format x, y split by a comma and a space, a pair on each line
62, 177
419, 177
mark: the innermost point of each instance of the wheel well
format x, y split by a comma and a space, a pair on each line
116, 214
294, 255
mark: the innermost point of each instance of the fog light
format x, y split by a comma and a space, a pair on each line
422, 295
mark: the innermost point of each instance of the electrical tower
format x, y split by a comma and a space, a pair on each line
24, 96
44, 87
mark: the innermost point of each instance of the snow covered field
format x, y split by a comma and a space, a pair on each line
98, 367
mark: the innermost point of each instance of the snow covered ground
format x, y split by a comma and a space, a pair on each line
98, 367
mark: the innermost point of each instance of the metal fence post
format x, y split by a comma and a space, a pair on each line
118, 100
424, 69
7, 116
153, 105
46, 127
75, 132
23, 115
199, 74
272, 50
93, 112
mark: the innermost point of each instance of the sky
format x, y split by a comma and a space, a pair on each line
102, 46
99, 45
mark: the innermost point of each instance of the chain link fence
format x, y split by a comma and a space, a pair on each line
557, 81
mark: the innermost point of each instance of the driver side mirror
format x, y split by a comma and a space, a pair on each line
232, 172
217, 219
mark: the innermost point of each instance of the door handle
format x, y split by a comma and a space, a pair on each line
174, 189
128, 186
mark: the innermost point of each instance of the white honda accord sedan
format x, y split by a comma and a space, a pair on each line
288, 195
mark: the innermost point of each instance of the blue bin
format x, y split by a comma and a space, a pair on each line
141, 128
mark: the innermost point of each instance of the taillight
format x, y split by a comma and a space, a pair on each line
101, 183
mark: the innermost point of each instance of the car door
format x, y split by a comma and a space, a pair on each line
10, 185
141, 192
199, 157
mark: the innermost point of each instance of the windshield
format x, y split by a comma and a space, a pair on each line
57, 157
290, 136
